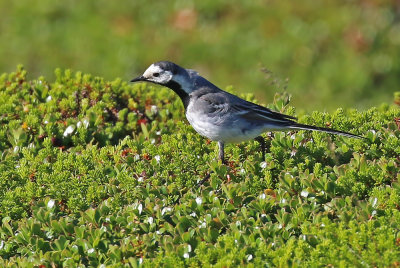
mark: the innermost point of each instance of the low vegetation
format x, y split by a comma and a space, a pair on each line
95, 172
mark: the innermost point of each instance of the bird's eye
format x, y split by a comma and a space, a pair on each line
156, 74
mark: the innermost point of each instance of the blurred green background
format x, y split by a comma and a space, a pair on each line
327, 54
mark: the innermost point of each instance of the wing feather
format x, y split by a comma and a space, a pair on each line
224, 103
252, 110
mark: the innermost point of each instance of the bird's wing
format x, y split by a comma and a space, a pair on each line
222, 103
213, 103
257, 112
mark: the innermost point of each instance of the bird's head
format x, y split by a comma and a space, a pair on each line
167, 74
160, 73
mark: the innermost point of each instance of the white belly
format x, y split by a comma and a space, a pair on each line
218, 130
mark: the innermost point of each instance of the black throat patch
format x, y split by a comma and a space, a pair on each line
181, 93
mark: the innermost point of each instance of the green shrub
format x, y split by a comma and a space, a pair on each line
95, 172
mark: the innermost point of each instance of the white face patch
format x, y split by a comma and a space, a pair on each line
151, 70
157, 75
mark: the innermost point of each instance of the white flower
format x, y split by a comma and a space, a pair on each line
166, 209
203, 224
157, 158
85, 123
150, 220
189, 248
49, 98
49, 235
199, 201
262, 196
374, 202
193, 214
69, 130
186, 255
283, 201
304, 193
263, 164
91, 250
16, 149
1, 244
249, 257
140, 208
50, 204
153, 109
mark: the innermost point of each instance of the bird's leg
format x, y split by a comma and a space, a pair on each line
220, 157
221, 151
205, 179
261, 140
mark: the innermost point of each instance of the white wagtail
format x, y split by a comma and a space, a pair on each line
219, 115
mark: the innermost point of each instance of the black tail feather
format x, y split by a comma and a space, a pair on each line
328, 130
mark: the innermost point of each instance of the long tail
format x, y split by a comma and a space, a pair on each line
328, 130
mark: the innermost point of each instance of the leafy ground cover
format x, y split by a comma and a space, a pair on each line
97, 172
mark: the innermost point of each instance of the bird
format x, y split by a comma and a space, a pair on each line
219, 115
